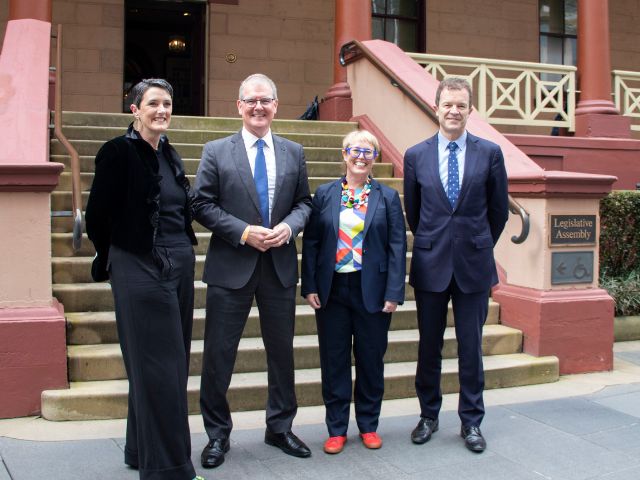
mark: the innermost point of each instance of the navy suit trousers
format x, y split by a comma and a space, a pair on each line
470, 313
342, 323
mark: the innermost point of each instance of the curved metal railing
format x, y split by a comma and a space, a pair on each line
76, 189
517, 209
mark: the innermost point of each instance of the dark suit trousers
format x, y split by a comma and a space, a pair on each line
153, 296
470, 312
343, 318
227, 312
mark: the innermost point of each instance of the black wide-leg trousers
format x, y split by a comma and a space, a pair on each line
154, 297
343, 324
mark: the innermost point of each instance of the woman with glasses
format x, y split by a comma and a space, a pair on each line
353, 275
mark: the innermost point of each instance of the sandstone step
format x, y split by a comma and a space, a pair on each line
122, 120
329, 171
199, 136
78, 269
188, 150
108, 399
91, 328
314, 168
62, 242
61, 200
104, 361
97, 297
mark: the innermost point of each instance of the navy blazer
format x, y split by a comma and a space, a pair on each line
383, 250
455, 242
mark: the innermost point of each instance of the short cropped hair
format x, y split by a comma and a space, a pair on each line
260, 79
357, 136
139, 89
454, 83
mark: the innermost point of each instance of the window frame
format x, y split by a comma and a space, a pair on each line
562, 36
420, 22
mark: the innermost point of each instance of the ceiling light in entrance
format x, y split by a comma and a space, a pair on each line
177, 44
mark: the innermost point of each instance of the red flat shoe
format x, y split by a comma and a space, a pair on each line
335, 445
371, 440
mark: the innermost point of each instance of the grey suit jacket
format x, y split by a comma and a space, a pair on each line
225, 201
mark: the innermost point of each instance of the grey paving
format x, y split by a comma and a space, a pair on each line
591, 437
4, 475
633, 357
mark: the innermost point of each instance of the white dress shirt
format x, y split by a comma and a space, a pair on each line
443, 158
270, 158
269, 155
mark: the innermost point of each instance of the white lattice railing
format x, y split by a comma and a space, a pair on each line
513, 93
626, 92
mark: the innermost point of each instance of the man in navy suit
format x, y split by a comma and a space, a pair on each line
456, 201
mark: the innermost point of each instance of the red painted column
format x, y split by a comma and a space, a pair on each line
32, 323
35, 9
596, 114
352, 22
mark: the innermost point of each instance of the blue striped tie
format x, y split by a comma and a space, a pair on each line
453, 188
262, 183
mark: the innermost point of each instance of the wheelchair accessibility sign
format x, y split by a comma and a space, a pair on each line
571, 267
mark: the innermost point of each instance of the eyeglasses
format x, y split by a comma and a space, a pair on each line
252, 102
367, 154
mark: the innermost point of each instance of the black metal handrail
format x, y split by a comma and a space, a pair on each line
351, 51
76, 189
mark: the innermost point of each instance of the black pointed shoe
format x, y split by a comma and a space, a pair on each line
213, 454
423, 431
473, 439
288, 443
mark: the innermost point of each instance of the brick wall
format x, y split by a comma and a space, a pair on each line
505, 29
4, 15
92, 55
291, 41
624, 18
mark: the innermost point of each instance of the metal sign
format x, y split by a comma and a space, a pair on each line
571, 267
572, 230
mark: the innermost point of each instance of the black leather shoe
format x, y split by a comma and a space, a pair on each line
213, 454
423, 431
473, 439
288, 443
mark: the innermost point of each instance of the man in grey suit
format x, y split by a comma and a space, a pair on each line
252, 192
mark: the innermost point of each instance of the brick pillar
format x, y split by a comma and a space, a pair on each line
352, 22
32, 324
596, 115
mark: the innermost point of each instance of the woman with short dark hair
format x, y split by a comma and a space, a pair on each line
139, 220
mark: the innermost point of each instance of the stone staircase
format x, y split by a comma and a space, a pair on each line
98, 387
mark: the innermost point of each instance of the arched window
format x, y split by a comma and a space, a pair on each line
400, 22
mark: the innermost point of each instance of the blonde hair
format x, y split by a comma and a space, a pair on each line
357, 136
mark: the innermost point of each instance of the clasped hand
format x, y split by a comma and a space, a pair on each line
263, 239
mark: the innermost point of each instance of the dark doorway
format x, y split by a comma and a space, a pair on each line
166, 39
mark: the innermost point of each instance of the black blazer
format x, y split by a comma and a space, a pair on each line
455, 241
124, 202
383, 251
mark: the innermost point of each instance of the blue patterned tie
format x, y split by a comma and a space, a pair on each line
453, 188
262, 183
